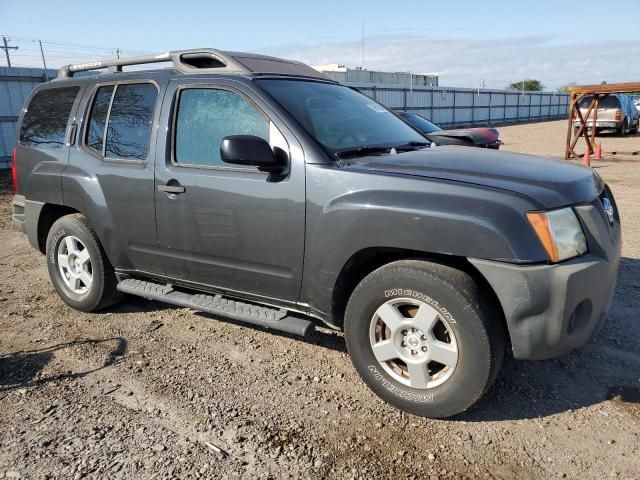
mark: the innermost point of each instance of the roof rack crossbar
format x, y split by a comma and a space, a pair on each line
227, 62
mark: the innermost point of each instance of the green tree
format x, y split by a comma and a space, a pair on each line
565, 88
528, 85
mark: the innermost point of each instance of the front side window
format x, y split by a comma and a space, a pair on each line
339, 118
45, 121
125, 113
207, 115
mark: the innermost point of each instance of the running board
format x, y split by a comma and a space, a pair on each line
266, 317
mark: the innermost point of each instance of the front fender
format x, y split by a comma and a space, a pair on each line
349, 211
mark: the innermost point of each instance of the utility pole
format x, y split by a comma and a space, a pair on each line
363, 45
118, 52
6, 49
44, 62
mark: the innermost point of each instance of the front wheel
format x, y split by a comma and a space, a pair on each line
424, 337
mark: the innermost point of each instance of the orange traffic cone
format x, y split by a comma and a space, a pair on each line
598, 153
586, 160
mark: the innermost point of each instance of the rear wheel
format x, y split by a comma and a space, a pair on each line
424, 338
623, 128
78, 267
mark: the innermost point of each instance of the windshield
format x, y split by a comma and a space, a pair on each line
339, 118
421, 123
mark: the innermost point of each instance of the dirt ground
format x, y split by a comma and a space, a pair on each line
145, 390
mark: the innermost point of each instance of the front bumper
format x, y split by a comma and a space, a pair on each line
551, 309
494, 145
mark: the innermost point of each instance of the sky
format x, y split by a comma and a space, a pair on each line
465, 42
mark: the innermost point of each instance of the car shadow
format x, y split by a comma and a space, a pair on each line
607, 368
24, 369
134, 304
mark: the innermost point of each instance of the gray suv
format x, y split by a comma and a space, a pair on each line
254, 188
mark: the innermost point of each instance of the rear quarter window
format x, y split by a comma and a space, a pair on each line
44, 123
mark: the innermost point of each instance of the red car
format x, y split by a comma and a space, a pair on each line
469, 137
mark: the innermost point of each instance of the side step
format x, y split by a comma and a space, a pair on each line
218, 305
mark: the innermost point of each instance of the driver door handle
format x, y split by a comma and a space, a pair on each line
171, 188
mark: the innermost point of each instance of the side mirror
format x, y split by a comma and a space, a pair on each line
251, 151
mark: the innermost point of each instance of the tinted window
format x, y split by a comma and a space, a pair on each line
45, 121
338, 117
98, 118
206, 116
610, 101
130, 121
419, 122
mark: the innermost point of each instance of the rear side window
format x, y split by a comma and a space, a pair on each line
45, 121
98, 119
120, 121
206, 116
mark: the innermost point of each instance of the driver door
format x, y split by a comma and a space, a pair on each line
221, 225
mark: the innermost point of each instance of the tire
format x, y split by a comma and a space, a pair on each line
623, 129
466, 323
78, 267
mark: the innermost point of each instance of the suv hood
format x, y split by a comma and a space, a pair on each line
551, 183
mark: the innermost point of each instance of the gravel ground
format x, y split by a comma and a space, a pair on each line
144, 390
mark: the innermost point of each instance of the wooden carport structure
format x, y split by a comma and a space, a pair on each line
598, 92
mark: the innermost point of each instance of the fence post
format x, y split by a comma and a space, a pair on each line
454, 108
473, 107
405, 98
490, 101
431, 106
504, 109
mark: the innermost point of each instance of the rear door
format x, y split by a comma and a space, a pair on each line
225, 226
110, 172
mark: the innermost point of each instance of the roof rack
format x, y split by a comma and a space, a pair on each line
202, 60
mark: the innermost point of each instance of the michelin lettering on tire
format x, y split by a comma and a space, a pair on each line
407, 292
399, 391
54, 242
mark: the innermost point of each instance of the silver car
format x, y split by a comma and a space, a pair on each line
615, 112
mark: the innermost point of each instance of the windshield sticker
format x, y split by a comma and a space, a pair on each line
377, 108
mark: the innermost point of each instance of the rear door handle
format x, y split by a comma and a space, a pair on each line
171, 188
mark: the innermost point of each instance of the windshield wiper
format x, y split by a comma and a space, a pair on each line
366, 149
361, 151
412, 145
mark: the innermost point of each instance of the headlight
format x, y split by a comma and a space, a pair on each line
559, 232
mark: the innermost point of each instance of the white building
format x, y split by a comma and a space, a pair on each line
344, 74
